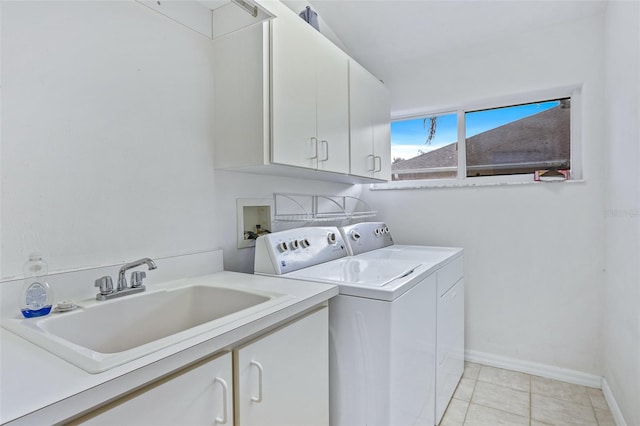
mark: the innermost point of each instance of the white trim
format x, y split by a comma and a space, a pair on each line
613, 405
502, 166
462, 147
494, 102
573, 91
576, 134
534, 368
474, 182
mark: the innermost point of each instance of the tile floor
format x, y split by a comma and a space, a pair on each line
489, 396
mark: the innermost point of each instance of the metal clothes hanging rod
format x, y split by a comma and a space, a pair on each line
251, 9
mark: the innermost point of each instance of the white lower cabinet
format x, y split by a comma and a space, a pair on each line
281, 378
449, 333
197, 395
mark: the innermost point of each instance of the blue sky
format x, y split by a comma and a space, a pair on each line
408, 136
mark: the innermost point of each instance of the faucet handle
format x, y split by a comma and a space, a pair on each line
137, 277
105, 284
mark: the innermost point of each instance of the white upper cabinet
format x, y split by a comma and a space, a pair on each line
333, 107
382, 131
293, 97
309, 96
370, 125
282, 102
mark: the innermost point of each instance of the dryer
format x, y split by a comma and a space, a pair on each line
382, 325
372, 241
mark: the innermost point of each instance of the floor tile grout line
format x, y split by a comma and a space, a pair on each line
475, 382
595, 416
486, 406
497, 409
504, 386
563, 399
530, 403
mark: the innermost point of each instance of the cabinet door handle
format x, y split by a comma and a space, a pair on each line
326, 149
225, 394
260, 371
379, 168
314, 140
373, 163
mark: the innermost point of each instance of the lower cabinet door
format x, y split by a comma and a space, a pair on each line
283, 377
450, 346
198, 395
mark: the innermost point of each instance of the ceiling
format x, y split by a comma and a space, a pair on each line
383, 33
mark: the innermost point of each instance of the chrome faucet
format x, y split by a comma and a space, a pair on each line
136, 279
106, 284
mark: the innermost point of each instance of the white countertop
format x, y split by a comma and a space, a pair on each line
37, 387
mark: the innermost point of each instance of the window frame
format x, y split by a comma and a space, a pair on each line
574, 92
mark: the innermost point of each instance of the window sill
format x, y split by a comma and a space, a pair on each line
463, 183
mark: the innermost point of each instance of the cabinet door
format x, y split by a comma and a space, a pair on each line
381, 131
293, 93
361, 131
283, 378
369, 124
450, 345
198, 395
332, 107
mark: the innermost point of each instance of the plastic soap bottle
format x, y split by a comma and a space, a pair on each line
36, 297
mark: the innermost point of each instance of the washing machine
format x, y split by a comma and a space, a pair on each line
382, 325
372, 242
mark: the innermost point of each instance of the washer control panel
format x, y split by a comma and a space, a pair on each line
293, 249
366, 236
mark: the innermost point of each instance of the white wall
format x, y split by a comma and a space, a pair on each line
621, 342
106, 134
231, 185
533, 253
107, 140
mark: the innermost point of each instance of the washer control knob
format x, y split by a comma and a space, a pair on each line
305, 243
331, 238
355, 235
378, 231
293, 245
282, 247
386, 229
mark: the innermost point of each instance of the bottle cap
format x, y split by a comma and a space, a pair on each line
36, 255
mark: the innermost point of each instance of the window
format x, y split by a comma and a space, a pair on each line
425, 147
517, 139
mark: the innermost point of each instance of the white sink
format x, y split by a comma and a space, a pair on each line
103, 334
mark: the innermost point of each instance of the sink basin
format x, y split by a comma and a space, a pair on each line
101, 335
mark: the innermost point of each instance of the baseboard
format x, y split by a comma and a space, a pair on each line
542, 370
613, 405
